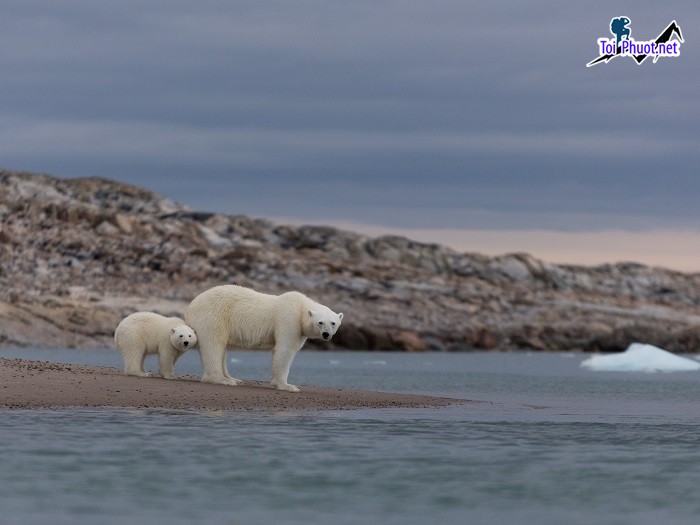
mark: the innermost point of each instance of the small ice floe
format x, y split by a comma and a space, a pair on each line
334, 362
375, 362
234, 360
641, 358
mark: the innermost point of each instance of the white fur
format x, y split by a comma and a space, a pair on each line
239, 317
146, 333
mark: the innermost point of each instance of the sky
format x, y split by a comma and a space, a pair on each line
475, 124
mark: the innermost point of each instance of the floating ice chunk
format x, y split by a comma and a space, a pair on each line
375, 362
641, 358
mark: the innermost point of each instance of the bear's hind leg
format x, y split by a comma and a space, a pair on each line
133, 364
213, 356
224, 367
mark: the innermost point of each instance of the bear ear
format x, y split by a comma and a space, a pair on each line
311, 313
340, 316
172, 330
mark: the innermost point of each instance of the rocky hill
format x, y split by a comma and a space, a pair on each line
78, 255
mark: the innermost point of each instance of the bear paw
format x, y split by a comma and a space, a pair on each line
287, 387
138, 373
231, 381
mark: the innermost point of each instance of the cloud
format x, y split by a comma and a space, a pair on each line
479, 115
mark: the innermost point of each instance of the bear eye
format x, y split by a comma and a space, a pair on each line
332, 323
320, 323
180, 336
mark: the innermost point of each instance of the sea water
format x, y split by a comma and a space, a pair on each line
546, 442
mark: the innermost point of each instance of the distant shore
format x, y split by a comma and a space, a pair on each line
79, 255
42, 384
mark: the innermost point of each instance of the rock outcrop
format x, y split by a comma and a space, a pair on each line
77, 255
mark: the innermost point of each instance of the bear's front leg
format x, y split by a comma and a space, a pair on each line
281, 362
166, 361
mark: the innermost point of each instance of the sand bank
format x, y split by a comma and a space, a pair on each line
41, 384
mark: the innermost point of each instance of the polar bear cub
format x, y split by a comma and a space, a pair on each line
144, 333
239, 317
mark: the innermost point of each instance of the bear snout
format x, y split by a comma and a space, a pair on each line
326, 335
186, 343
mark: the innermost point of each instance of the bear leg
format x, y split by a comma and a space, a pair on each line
213, 357
166, 361
133, 364
224, 365
281, 363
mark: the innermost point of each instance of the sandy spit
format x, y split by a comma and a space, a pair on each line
42, 384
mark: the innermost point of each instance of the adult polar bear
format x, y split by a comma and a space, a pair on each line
231, 315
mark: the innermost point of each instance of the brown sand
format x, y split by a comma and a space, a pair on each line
41, 384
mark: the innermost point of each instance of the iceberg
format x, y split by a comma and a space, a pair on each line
640, 358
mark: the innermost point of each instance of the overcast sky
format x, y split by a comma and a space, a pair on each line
434, 115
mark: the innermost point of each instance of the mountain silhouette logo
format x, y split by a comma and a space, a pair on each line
664, 45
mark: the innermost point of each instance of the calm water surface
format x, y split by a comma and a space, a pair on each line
547, 443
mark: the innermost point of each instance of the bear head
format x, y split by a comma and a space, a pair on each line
183, 337
324, 323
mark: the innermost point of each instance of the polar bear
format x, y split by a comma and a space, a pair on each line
145, 333
231, 315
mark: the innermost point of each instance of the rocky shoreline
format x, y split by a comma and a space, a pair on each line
77, 255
